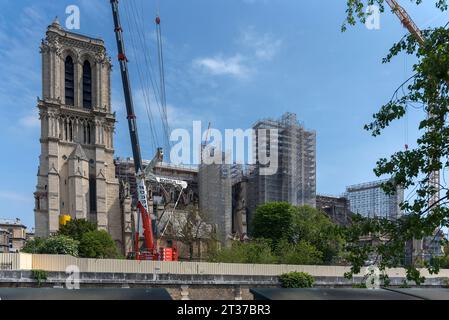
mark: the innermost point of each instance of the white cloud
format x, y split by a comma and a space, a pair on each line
254, 48
265, 46
219, 65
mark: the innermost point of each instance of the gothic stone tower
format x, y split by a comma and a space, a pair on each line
76, 173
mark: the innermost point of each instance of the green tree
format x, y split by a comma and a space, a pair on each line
296, 280
313, 226
98, 244
257, 251
280, 221
57, 244
33, 245
413, 168
273, 221
76, 228
356, 9
299, 253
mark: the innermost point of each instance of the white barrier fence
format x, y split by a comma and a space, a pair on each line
59, 263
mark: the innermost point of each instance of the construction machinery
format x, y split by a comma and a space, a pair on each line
150, 250
406, 21
410, 25
434, 179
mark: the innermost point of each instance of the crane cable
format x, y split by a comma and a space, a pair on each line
162, 78
146, 100
147, 58
145, 75
162, 74
157, 93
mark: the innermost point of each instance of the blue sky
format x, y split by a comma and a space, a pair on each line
230, 62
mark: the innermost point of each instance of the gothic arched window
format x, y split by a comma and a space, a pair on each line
84, 133
87, 85
66, 130
69, 81
70, 131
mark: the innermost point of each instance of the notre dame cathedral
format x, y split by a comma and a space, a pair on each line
76, 174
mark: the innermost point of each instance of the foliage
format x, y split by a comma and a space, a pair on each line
444, 260
257, 251
77, 238
282, 222
356, 9
98, 244
412, 168
33, 245
194, 230
57, 244
60, 245
296, 280
76, 228
300, 253
288, 235
39, 275
314, 227
273, 220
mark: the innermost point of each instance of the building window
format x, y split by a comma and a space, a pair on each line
70, 131
66, 130
89, 134
84, 134
93, 194
37, 203
69, 82
87, 85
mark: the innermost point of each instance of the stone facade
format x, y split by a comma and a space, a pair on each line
76, 174
336, 208
4, 240
12, 235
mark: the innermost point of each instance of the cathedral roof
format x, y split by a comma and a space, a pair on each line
78, 153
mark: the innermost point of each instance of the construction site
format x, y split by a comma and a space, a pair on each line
151, 208
166, 210
122, 209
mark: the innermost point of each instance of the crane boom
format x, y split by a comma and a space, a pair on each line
411, 26
127, 88
406, 20
142, 202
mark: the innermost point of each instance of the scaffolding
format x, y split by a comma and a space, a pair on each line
295, 179
215, 191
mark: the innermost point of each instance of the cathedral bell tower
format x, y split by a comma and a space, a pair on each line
76, 174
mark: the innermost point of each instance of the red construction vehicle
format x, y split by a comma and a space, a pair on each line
150, 250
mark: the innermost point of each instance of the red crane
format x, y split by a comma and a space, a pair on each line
150, 250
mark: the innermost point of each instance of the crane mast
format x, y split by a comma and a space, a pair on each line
407, 22
142, 203
434, 179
